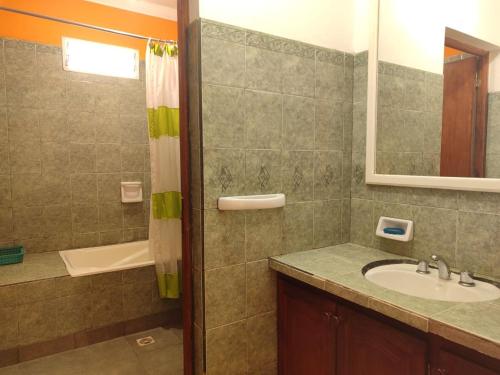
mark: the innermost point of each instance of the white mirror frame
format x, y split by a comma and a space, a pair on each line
436, 182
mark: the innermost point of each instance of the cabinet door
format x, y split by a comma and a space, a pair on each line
451, 364
369, 346
307, 328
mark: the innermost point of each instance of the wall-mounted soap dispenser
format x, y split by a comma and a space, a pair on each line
132, 192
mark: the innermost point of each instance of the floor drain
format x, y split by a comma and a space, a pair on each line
144, 341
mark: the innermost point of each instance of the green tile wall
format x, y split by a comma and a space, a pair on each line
67, 141
267, 115
409, 120
493, 136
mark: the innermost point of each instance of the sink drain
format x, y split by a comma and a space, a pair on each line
145, 341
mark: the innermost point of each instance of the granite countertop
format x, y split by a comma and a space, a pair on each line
34, 267
337, 270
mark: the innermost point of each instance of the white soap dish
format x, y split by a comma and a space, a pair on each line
131, 192
390, 222
251, 202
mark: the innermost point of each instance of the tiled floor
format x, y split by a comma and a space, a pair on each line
121, 356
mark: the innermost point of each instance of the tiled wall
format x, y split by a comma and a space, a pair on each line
44, 310
409, 120
67, 140
460, 226
276, 116
493, 136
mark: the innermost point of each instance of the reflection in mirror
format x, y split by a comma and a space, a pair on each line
438, 101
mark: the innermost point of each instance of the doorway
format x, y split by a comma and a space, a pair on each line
465, 81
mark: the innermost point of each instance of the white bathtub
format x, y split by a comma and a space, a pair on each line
109, 258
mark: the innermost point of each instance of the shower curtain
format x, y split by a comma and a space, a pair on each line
162, 98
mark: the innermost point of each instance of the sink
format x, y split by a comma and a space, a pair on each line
400, 275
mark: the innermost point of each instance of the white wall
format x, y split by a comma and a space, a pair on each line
326, 23
411, 33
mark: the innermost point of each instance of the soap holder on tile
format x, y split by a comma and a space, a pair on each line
132, 192
390, 222
251, 202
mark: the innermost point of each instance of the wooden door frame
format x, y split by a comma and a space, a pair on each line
480, 127
187, 287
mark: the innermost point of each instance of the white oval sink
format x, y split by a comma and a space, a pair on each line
403, 278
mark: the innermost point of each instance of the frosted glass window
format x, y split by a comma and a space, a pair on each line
98, 58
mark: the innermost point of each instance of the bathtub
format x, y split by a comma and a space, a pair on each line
93, 260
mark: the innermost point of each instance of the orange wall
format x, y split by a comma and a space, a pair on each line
49, 32
448, 51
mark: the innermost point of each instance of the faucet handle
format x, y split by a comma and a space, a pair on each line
423, 267
466, 279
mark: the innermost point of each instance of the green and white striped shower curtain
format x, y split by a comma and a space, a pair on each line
162, 97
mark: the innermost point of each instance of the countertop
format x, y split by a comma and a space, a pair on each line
34, 267
337, 270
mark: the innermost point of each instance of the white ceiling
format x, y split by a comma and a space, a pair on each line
158, 8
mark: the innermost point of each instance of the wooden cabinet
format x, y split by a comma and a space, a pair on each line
369, 346
319, 334
307, 331
447, 358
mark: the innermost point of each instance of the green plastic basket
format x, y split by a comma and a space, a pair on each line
11, 255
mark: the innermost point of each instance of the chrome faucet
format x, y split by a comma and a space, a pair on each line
443, 268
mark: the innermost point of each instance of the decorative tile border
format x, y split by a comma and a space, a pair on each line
272, 43
221, 31
330, 56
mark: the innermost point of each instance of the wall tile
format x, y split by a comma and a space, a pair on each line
261, 288
329, 81
223, 174
327, 175
107, 306
298, 227
263, 120
226, 349
435, 233
327, 223
83, 240
262, 171
224, 62
55, 157
108, 158
9, 331
262, 339
225, 296
264, 69
298, 123
108, 128
132, 158
362, 222
224, 238
82, 127
221, 31
110, 216
477, 243
74, 314
297, 175
84, 188
133, 215
4, 161
109, 187
223, 116
5, 191
27, 221
6, 227
83, 158
298, 76
25, 157
38, 321
414, 95
4, 127
264, 234
137, 300
19, 57
328, 130
56, 218
23, 125
133, 128
81, 96
53, 126
21, 92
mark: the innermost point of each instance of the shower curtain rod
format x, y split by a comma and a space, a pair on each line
81, 24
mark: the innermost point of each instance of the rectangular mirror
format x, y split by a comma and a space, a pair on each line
434, 95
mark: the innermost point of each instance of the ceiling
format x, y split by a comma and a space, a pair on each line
158, 8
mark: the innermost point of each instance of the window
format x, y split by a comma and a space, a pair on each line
98, 58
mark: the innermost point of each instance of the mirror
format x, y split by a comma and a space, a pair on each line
438, 91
